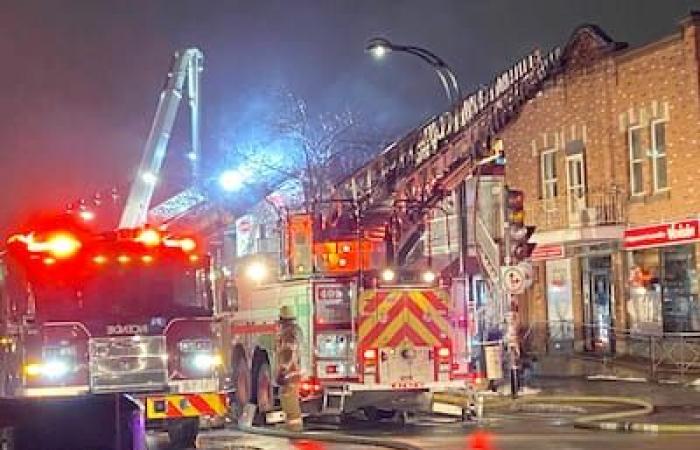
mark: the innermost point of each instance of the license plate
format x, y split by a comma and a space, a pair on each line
197, 386
406, 385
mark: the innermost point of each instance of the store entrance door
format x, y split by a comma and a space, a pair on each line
600, 318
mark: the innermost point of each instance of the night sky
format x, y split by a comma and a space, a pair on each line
80, 78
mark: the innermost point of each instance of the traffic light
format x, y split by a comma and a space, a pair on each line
519, 233
497, 147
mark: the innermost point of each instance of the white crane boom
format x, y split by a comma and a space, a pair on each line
186, 67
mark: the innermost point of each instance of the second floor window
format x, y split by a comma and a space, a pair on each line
634, 140
549, 174
658, 155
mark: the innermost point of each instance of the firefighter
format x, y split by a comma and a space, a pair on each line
288, 368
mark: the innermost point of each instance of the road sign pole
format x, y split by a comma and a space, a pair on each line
510, 299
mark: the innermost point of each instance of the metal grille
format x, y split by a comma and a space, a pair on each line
130, 363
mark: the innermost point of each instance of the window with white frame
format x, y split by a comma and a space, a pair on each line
548, 164
634, 141
658, 155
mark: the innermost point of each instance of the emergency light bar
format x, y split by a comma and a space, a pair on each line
123, 246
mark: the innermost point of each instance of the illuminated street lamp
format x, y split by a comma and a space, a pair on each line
379, 47
233, 180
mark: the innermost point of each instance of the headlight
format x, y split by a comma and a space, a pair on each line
199, 354
57, 361
56, 368
49, 369
206, 361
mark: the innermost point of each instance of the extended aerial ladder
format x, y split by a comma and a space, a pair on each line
411, 177
186, 68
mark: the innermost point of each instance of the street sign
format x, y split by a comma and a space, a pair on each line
513, 279
528, 271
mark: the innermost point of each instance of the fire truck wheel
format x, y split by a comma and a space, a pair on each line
183, 433
263, 388
241, 381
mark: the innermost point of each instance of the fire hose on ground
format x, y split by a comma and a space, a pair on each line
334, 438
609, 421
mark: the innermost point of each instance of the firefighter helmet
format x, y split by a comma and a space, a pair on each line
286, 313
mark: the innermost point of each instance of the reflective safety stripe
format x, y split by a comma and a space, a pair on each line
186, 405
418, 316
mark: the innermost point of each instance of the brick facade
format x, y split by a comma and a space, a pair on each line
586, 112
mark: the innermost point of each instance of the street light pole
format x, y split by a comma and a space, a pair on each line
379, 47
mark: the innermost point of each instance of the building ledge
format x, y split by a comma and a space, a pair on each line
579, 235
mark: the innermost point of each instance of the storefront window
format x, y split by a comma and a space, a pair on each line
680, 290
663, 290
644, 303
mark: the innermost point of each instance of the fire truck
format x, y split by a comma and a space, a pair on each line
377, 339
125, 311
373, 342
128, 311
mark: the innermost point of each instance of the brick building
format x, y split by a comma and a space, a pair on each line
608, 156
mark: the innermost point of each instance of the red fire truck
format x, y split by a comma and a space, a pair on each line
381, 345
128, 311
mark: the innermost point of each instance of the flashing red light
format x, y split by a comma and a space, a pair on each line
444, 352
194, 258
87, 215
149, 237
49, 261
60, 245
187, 244
309, 387
100, 259
124, 259
147, 259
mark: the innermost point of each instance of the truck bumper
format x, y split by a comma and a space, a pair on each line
350, 397
208, 406
54, 391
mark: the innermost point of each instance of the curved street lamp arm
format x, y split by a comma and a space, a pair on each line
447, 76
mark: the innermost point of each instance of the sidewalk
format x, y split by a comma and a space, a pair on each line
567, 375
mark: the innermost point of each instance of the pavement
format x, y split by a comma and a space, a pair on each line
556, 375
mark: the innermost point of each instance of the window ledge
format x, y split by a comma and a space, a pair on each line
637, 198
664, 194
661, 195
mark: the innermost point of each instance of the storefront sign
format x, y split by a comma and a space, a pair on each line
660, 235
545, 252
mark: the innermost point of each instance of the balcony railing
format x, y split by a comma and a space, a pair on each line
591, 210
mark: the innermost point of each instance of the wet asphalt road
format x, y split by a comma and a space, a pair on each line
541, 432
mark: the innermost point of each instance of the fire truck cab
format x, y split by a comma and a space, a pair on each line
128, 311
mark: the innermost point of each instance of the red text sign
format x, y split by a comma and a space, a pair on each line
663, 234
543, 252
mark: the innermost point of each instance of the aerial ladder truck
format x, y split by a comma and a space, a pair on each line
384, 329
130, 310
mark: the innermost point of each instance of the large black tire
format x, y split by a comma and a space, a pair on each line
241, 384
183, 433
263, 394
